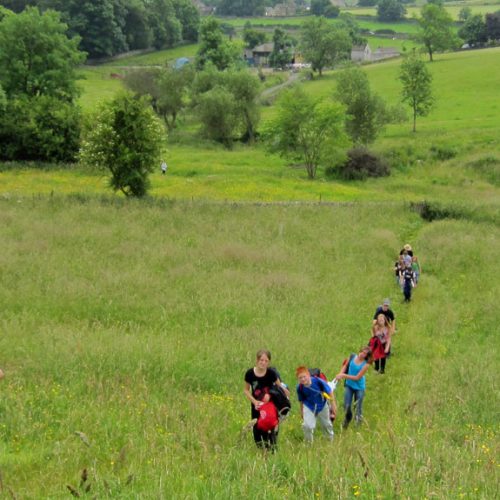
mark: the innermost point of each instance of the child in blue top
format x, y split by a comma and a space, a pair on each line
313, 394
354, 374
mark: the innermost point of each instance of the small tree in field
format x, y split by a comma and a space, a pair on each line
307, 130
126, 138
417, 91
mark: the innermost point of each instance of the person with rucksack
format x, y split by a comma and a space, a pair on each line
386, 310
258, 383
313, 394
353, 372
380, 342
407, 282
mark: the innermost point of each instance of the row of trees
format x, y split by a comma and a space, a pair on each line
109, 27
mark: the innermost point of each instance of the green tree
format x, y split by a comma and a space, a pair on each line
252, 37
189, 17
238, 91
41, 128
365, 111
245, 88
167, 29
241, 7
282, 53
390, 10
37, 57
465, 13
215, 48
332, 11
318, 7
493, 25
474, 30
324, 45
417, 86
126, 138
435, 29
307, 130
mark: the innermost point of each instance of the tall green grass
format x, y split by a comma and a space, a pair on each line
133, 323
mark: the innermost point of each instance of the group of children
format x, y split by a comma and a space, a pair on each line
407, 270
314, 393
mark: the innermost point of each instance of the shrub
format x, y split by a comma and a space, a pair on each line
443, 153
40, 128
362, 163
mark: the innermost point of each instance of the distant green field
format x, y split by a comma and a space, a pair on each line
296, 22
454, 10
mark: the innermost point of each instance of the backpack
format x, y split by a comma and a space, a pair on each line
346, 363
280, 400
315, 372
268, 417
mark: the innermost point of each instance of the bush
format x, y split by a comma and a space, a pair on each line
385, 32
443, 153
362, 163
40, 128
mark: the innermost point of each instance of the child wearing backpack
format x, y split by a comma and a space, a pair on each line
313, 394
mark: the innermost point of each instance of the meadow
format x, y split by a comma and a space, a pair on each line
127, 328
127, 325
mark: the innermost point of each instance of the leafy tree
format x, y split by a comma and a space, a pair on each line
367, 3
217, 109
281, 54
126, 138
138, 33
307, 130
493, 25
37, 58
215, 47
40, 127
390, 10
167, 29
245, 88
474, 30
365, 111
241, 7
189, 17
465, 13
348, 23
238, 89
252, 37
167, 89
332, 11
435, 29
318, 7
417, 86
324, 45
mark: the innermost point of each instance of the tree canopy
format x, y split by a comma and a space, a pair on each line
108, 27
307, 130
323, 44
37, 57
417, 86
124, 137
435, 29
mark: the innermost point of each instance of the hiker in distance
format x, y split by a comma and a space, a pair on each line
386, 310
353, 372
258, 382
313, 394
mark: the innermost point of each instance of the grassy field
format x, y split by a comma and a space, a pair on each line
462, 129
453, 10
127, 328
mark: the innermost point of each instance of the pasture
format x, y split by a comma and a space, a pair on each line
127, 327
